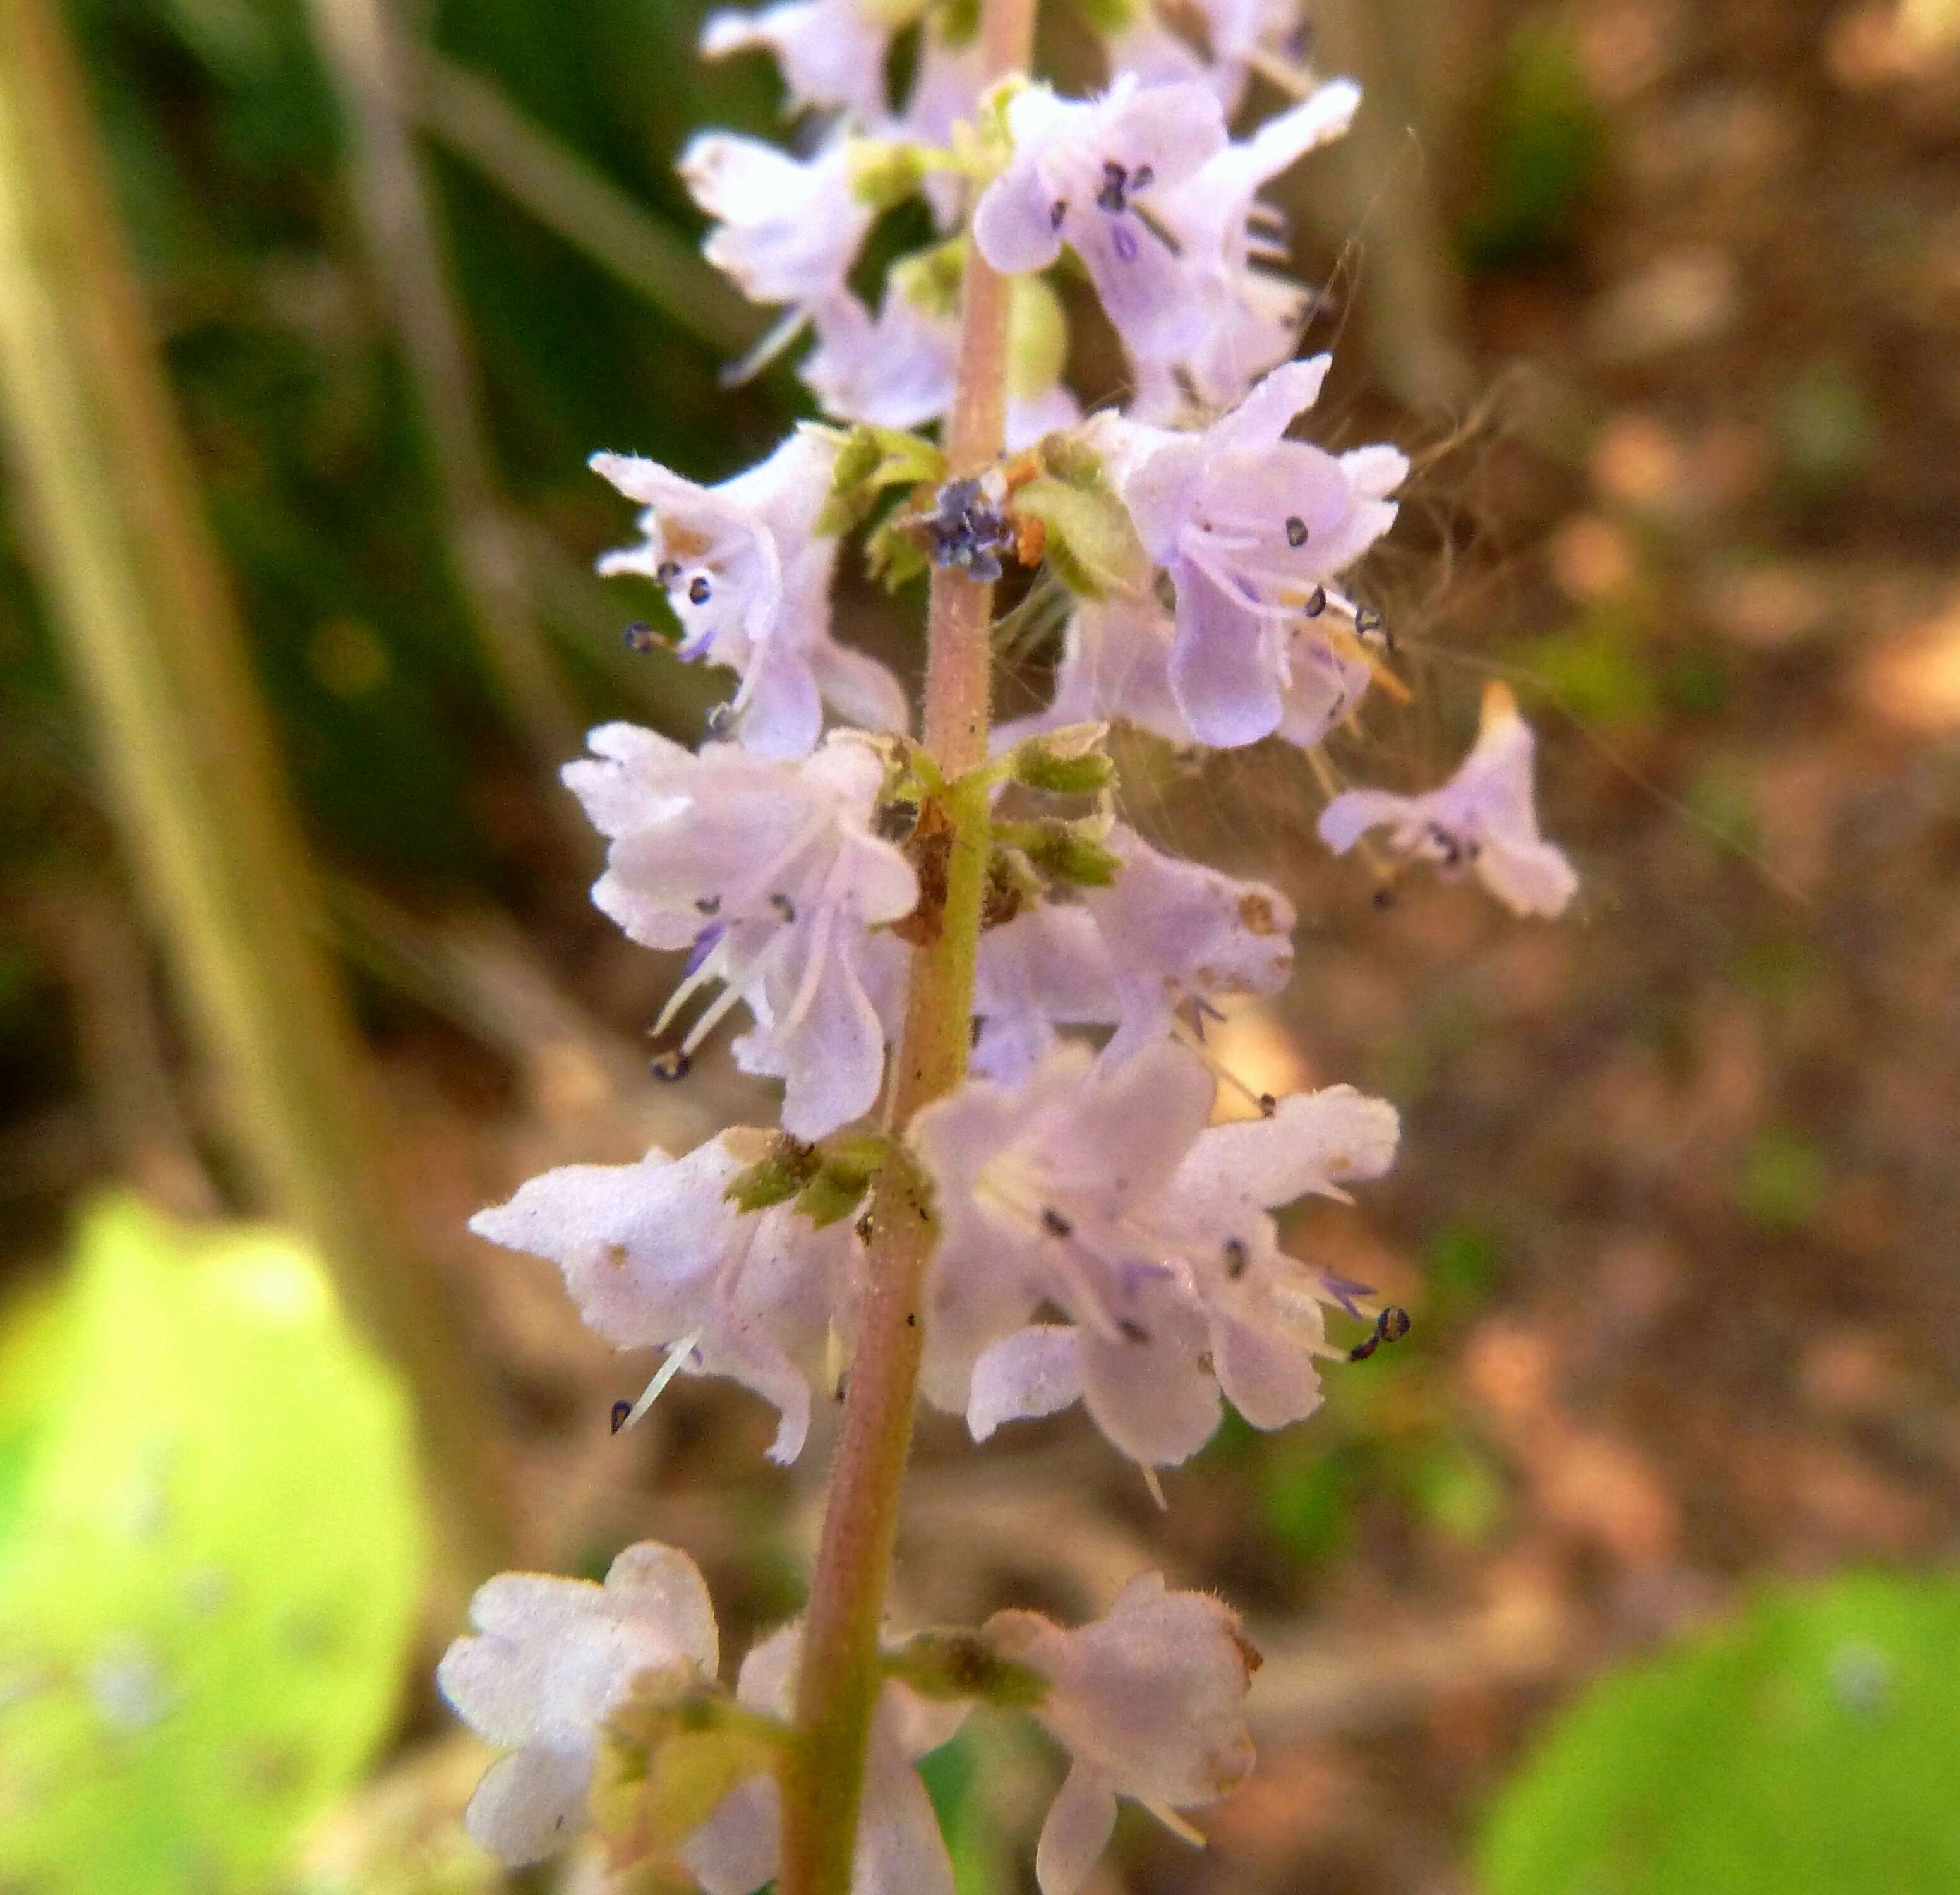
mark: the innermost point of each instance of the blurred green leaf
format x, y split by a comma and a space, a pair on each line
211, 1581
1808, 1748
1455, 1488
1782, 1180
1307, 1496
1546, 146
951, 1775
1595, 669
1826, 425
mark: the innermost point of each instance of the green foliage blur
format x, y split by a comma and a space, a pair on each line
1807, 1748
224, 138
212, 1556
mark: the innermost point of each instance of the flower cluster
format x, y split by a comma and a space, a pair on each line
1097, 1238
615, 1687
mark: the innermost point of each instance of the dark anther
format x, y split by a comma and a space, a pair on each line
1449, 850
783, 906
708, 904
897, 820
698, 589
673, 1064
863, 1227
667, 571
1390, 1327
1056, 212
967, 530
1142, 178
1368, 625
620, 1411
1055, 1224
1236, 1257
912, 1319
1295, 530
640, 636
1134, 1332
1268, 1105
1115, 194
1316, 602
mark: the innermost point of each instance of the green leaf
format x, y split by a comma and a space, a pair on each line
1091, 538
210, 1586
870, 460
1807, 1748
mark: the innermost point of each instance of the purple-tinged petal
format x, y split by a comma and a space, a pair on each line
529, 1803
1220, 665
1267, 1377
1035, 1371
1345, 821
1013, 224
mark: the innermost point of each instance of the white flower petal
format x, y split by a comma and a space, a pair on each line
530, 1804
1080, 1821
1035, 1371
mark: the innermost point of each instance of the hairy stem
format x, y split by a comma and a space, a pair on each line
837, 1690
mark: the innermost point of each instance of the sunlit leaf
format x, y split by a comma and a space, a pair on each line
209, 1578
1807, 1748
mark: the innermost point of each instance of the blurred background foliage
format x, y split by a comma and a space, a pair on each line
1665, 298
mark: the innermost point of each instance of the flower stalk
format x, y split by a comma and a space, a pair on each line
840, 1675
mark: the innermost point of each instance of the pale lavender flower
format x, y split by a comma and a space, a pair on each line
1228, 240
551, 1660
1106, 1193
1150, 1703
1115, 665
1235, 32
655, 1256
899, 1848
771, 873
1483, 821
787, 230
748, 576
1047, 967
831, 52
945, 92
896, 369
1164, 933
1248, 525
1087, 173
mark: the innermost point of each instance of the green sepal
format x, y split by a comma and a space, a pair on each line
1109, 18
1061, 853
774, 1180
955, 1666
959, 22
870, 460
893, 557
844, 1175
884, 172
930, 278
1091, 541
1042, 766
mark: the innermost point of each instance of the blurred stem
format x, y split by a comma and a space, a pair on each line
1412, 301
472, 118
838, 1680
141, 600
358, 40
